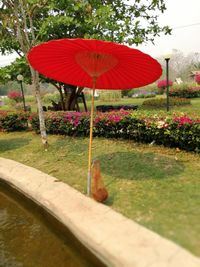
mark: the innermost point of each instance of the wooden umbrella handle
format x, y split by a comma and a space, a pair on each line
90, 141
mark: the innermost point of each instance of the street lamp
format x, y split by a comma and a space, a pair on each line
20, 78
167, 56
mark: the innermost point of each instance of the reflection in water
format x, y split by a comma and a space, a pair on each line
27, 242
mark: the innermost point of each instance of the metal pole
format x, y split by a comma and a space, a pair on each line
23, 96
167, 80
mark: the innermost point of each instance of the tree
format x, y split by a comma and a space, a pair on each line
25, 23
19, 33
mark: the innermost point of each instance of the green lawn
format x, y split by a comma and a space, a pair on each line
155, 186
194, 107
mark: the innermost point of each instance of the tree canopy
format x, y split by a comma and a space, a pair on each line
131, 22
25, 23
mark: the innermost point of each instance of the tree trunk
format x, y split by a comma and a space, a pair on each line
70, 93
59, 87
70, 99
74, 100
71, 96
61, 98
35, 82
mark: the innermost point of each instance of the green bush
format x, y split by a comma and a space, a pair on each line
64, 123
110, 95
185, 91
127, 93
30, 99
13, 121
175, 130
47, 98
161, 102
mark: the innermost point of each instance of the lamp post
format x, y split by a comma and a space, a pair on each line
20, 78
167, 57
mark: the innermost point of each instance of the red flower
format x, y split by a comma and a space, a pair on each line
163, 84
183, 120
197, 78
15, 95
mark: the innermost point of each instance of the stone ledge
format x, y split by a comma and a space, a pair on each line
114, 239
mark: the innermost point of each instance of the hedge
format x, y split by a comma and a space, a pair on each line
190, 92
64, 123
161, 102
13, 121
172, 130
175, 130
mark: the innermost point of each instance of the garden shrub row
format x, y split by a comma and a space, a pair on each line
13, 121
172, 130
64, 123
175, 130
187, 92
161, 102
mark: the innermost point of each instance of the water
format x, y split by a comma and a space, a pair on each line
26, 240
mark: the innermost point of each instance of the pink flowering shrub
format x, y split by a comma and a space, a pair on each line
15, 95
183, 120
162, 84
111, 117
13, 121
67, 123
185, 92
175, 130
197, 78
109, 124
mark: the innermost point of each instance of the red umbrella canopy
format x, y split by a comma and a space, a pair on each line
81, 61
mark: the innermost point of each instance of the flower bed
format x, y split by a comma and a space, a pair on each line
172, 130
13, 121
175, 130
66, 123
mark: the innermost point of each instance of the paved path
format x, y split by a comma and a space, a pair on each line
113, 238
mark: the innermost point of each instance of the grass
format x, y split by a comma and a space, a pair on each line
194, 107
155, 186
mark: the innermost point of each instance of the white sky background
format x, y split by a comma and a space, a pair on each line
179, 13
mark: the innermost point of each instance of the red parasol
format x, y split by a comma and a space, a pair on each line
94, 64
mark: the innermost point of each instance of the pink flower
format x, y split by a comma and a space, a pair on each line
197, 78
124, 112
15, 95
163, 84
115, 118
195, 88
183, 120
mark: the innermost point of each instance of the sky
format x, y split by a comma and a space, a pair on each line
182, 16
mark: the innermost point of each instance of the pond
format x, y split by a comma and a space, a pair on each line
29, 237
